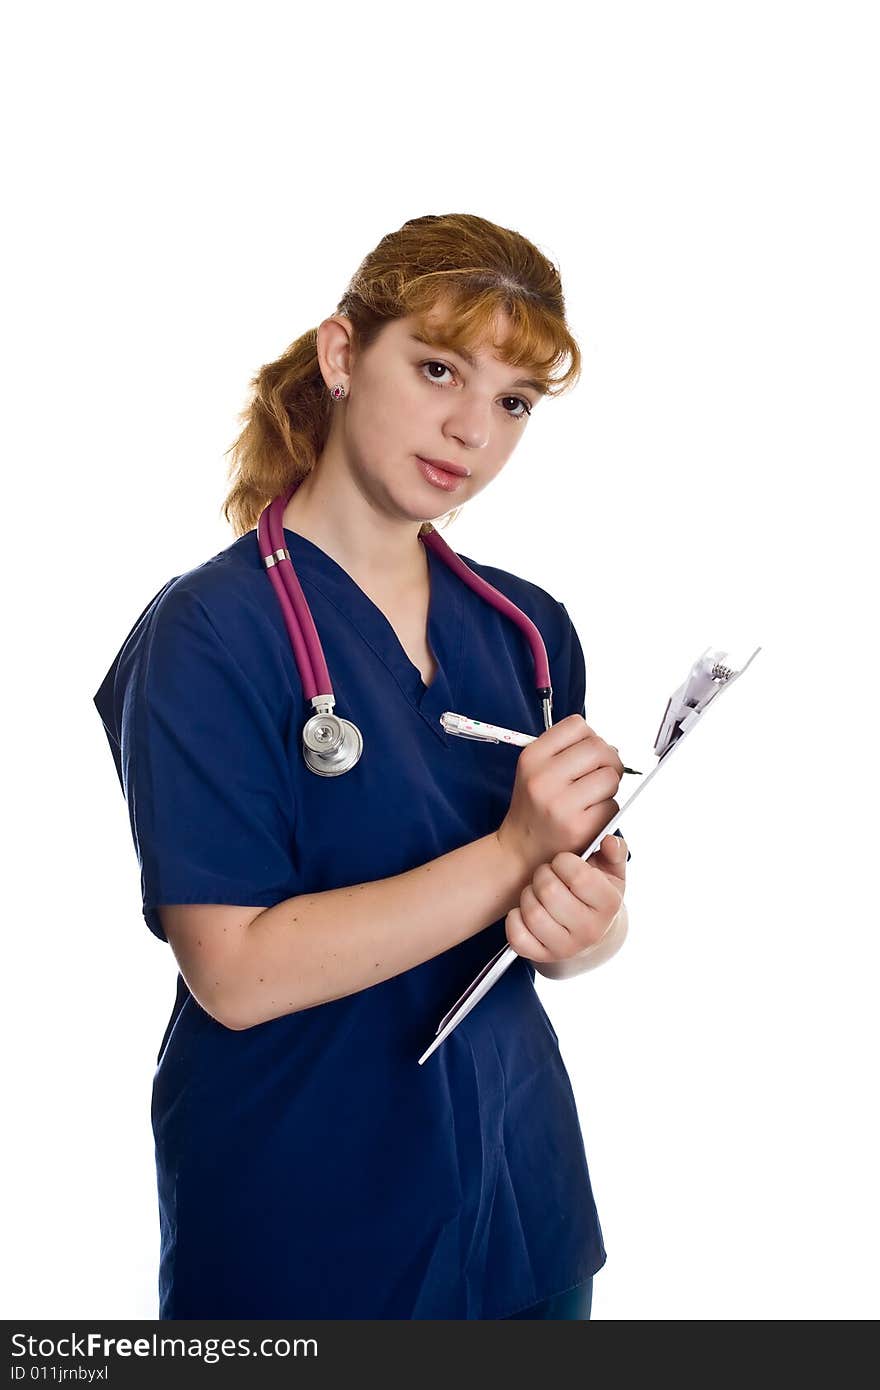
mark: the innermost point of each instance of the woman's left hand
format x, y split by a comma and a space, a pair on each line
569, 904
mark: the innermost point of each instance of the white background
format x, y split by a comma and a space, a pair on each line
191, 188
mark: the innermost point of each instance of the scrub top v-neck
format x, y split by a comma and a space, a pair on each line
308, 1166
445, 635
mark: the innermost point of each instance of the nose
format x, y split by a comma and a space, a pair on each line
470, 425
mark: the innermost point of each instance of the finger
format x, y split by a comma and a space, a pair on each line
619, 759
595, 882
562, 735
550, 916
520, 939
615, 849
610, 857
584, 908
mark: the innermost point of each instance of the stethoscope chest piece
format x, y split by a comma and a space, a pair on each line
331, 745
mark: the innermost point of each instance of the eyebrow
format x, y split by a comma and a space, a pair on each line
460, 352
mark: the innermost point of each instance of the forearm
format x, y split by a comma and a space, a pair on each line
606, 947
316, 947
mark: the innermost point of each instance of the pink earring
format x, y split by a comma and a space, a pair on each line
337, 392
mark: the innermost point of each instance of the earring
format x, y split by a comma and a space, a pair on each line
337, 392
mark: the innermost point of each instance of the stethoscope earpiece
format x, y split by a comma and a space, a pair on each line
331, 745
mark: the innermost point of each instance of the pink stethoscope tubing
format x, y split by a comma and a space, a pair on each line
307, 650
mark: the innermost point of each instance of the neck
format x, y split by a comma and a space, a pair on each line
329, 509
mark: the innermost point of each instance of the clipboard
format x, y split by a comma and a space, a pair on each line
707, 678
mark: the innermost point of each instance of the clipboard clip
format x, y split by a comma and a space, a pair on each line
709, 674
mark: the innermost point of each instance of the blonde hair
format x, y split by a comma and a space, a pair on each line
469, 266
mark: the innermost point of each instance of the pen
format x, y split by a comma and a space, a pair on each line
464, 727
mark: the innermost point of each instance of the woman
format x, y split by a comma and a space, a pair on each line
307, 1165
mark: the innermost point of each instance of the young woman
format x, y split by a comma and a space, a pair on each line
308, 1165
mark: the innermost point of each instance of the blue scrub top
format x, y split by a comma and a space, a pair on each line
308, 1167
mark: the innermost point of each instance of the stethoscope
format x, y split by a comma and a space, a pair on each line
332, 745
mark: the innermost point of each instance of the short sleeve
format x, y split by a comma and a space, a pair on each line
203, 763
575, 665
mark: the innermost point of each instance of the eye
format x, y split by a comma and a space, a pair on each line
521, 415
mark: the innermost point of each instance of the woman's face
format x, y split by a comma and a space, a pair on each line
409, 399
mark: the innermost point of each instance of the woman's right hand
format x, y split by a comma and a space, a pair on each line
563, 795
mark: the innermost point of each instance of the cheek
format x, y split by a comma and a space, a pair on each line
394, 414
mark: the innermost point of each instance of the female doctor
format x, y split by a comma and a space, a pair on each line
307, 1165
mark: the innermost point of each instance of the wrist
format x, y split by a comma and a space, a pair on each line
514, 866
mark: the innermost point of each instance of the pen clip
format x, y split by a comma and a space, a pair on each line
450, 724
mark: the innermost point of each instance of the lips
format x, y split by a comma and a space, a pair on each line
439, 477
457, 468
